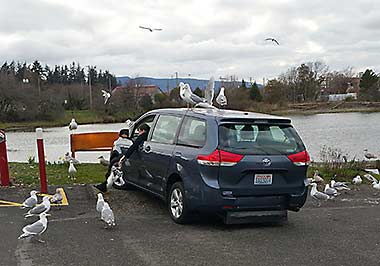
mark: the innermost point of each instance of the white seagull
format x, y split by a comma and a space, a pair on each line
68, 158
330, 191
36, 228
31, 201
357, 180
339, 186
103, 161
376, 185
107, 215
188, 96
100, 203
106, 96
369, 155
370, 178
317, 178
37, 210
209, 91
73, 124
72, 171
57, 197
317, 195
221, 99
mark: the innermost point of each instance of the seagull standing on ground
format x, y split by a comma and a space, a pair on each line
370, 178
72, 171
100, 203
103, 161
31, 201
221, 99
339, 186
273, 40
107, 215
57, 197
317, 195
73, 124
317, 178
37, 228
357, 180
69, 158
330, 191
149, 29
37, 210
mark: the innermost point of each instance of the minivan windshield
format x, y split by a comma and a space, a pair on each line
259, 139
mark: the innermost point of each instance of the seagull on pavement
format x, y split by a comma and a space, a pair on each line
221, 99
149, 29
370, 178
37, 210
357, 180
317, 195
339, 186
317, 178
107, 215
330, 191
57, 197
31, 201
100, 203
36, 228
273, 40
73, 124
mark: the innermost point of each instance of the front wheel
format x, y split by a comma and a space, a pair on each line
177, 204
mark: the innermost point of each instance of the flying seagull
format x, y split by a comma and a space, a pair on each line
36, 228
273, 40
43, 207
106, 96
149, 29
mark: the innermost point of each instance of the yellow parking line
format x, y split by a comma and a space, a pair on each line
65, 202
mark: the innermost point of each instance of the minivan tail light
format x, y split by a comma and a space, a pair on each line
219, 158
300, 159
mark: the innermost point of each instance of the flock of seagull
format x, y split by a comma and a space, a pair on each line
41, 210
36, 229
334, 188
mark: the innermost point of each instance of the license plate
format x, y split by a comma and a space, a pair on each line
262, 179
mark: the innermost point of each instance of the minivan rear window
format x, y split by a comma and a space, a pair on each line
259, 139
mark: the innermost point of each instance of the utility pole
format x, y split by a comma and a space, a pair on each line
176, 78
89, 86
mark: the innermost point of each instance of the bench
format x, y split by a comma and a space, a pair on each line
96, 141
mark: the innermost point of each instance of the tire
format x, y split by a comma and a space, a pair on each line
177, 204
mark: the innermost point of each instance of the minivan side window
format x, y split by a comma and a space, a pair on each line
146, 120
166, 129
193, 132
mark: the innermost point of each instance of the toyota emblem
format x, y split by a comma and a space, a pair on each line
267, 162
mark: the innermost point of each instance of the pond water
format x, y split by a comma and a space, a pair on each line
349, 132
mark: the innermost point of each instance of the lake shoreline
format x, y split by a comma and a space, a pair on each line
302, 109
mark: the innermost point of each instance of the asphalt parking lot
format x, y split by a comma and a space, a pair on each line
344, 231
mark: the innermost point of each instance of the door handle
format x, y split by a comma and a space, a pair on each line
147, 149
178, 154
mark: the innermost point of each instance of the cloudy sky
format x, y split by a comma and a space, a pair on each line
199, 37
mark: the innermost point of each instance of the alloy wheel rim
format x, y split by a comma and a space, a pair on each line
176, 203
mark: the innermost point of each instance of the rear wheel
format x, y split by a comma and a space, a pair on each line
177, 204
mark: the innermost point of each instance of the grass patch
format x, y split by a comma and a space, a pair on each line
28, 174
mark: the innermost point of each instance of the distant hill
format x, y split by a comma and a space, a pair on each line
166, 83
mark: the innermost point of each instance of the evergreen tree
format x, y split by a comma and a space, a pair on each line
255, 93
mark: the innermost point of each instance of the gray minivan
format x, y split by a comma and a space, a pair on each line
243, 166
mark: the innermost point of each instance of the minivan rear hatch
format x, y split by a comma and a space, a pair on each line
260, 158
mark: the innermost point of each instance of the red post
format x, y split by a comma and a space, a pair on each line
4, 170
41, 160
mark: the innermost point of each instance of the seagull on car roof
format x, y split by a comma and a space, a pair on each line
221, 99
189, 97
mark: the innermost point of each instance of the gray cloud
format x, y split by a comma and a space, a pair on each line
218, 37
